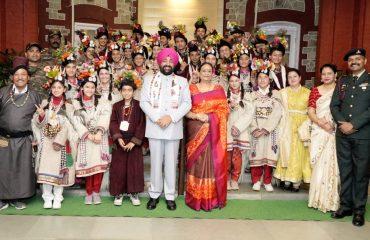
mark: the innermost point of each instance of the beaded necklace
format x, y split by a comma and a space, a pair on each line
19, 105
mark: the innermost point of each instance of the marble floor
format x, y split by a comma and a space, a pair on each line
48, 228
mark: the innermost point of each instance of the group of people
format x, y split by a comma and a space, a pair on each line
96, 110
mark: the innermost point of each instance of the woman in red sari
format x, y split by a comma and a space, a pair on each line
206, 144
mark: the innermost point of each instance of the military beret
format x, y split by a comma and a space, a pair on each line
33, 44
354, 51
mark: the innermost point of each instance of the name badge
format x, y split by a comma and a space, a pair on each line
124, 126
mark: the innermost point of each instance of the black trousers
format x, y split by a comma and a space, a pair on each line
353, 160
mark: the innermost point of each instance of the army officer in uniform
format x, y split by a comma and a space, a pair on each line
350, 107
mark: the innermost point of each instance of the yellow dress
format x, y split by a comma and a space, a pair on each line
294, 165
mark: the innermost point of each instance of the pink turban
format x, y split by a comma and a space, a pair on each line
168, 52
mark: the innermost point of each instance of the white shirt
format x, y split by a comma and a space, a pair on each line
16, 91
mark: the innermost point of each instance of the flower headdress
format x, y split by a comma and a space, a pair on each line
128, 75
86, 42
233, 70
52, 74
210, 44
65, 54
260, 65
259, 36
101, 62
163, 30
153, 40
179, 28
238, 50
280, 38
137, 49
201, 23
113, 46
87, 73
232, 27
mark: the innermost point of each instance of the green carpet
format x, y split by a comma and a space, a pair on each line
235, 209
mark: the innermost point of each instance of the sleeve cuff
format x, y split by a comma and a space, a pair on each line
136, 141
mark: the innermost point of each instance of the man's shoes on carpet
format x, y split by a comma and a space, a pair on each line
340, 213
358, 219
152, 203
171, 205
3, 205
18, 205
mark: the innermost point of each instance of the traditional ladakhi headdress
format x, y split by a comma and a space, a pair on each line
128, 77
86, 42
201, 23
138, 49
233, 27
153, 40
52, 74
101, 31
239, 49
163, 30
65, 55
209, 46
261, 66
279, 43
179, 31
259, 36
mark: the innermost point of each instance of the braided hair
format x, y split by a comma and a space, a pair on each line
241, 89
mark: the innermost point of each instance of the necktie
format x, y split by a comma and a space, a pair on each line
355, 79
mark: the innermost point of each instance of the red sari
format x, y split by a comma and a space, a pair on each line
206, 150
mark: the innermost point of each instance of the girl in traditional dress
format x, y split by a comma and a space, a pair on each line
57, 140
155, 45
240, 117
91, 121
264, 128
277, 52
206, 185
127, 128
117, 64
105, 84
102, 36
325, 180
139, 56
70, 70
293, 165
242, 55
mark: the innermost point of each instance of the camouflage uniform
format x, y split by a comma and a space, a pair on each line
38, 78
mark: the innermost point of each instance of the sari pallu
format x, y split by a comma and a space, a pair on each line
325, 180
206, 151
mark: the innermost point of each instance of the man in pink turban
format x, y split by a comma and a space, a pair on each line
165, 99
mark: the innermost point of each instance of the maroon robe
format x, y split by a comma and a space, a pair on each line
127, 168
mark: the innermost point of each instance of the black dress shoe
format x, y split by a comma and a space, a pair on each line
171, 205
152, 203
358, 220
340, 213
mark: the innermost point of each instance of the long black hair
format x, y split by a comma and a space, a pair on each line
241, 93
110, 82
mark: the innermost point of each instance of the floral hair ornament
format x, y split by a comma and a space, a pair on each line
259, 36
239, 49
65, 55
114, 46
153, 40
101, 62
232, 27
52, 74
261, 66
210, 44
128, 75
233, 70
279, 42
